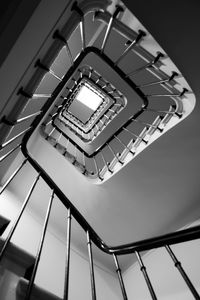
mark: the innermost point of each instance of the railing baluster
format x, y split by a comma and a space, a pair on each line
97, 169
67, 264
89, 244
162, 81
57, 35
105, 163
140, 35
35, 96
14, 138
40, 65
39, 251
181, 94
109, 27
115, 155
12, 230
135, 135
12, 176
147, 124
9, 153
148, 65
82, 24
121, 282
182, 272
146, 277
124, 145
28, 117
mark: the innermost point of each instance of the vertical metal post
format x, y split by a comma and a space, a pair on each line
12, 176
91, 266
67, 264
31, 282
146, 277
182, 272
18, 217
121, 282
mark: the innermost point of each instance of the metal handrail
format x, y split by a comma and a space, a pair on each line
142, 245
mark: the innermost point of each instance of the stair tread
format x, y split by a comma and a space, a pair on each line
16, 259
37, 292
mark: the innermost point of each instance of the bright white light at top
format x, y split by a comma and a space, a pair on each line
89, 98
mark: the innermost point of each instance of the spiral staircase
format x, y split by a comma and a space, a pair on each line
56, 144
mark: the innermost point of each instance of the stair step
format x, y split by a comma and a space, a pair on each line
16, 260
37, 292
4, 222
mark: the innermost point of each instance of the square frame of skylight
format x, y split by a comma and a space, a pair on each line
133, 103
83, 107
104, 106
99, 81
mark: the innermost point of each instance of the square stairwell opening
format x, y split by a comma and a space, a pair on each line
86, 100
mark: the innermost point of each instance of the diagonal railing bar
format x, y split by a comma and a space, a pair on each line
114, 154
146, 276
121, 282
77, 9
67, 263
57, 35
28, 117
42, 66
97, 169
109, 27
2, 158
12, 230
12, 176
162, 81
40, 247
182, 272
14, 138
139, 37
92, 278
152, 63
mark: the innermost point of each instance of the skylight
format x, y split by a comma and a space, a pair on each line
89, 98
86, 100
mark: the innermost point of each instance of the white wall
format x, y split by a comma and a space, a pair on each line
51, 268
165, 278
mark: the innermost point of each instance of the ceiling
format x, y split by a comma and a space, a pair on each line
159, 190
